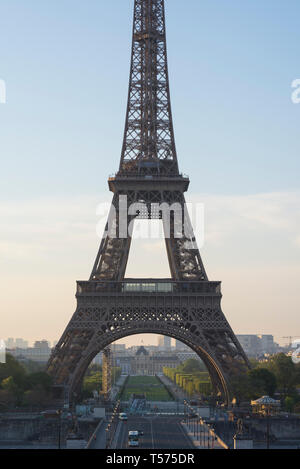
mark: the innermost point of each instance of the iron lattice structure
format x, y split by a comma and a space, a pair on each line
149, 145
187, 306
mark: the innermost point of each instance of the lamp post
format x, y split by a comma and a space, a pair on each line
268, 428
204, 432
213, 438
208, 436
106, 438
109, 435
59, 412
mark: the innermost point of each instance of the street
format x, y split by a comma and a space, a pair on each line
159, 433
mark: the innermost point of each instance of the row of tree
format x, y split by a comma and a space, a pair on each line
279, 375
23, 385
27, 385
93, 379
191, 377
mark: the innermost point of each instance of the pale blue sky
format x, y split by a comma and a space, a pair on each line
66, 65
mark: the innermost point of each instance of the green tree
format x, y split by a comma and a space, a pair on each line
92, 383
241, 387
39, 379
7, 399
289, 404
11, 390
37, 397
93, 368
12, 368
115, 373
262, 382
297, 379
8, 384
285, 372
297, 408
31, 366
192, 365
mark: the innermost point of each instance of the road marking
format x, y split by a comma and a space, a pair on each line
116, 437
152, 433
167, 424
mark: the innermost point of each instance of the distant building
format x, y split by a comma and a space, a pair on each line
10, 343
250, 344
268, 345
160, 341
118, 348
145, 361
184, 355
167, 342
21, 343
16, 343
164, 342
180, 346
258, 345
40, 352
41, 344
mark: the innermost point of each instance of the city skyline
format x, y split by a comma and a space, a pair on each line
141, 339
244, 170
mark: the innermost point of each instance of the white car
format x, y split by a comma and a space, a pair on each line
123, 416
133, 439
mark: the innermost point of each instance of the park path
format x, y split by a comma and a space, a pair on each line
178, 393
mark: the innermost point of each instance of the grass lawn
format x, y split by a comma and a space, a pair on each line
148, 385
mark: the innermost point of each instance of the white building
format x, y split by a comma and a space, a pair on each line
13, 343
164, 342
257, 345
40, 352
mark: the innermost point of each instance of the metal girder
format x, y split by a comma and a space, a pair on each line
188, 311
149, 144
186, 306
183, 255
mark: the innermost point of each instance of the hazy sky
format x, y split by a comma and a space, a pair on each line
66, 64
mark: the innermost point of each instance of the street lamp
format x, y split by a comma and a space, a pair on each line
59, 412
106, 438
208, 436
200, 434
268, 414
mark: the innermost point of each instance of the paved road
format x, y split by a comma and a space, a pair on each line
159, 433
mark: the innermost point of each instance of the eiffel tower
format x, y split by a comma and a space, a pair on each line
186, 306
